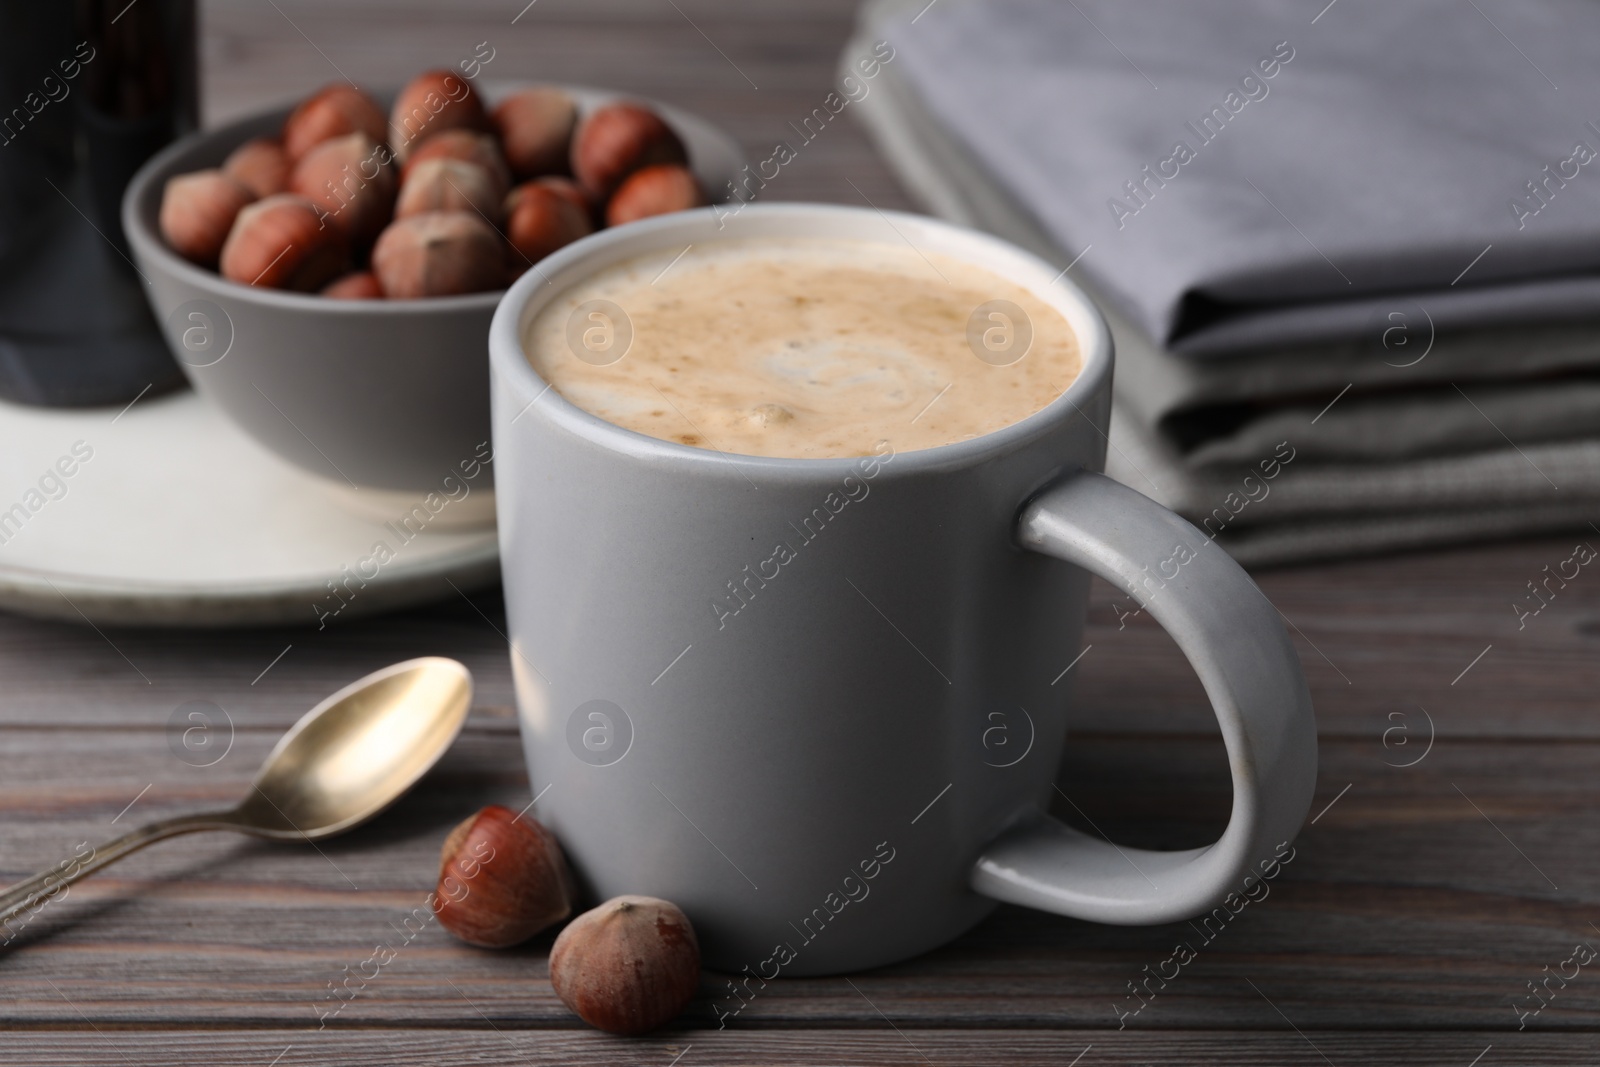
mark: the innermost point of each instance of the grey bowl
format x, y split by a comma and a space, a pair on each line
374, 395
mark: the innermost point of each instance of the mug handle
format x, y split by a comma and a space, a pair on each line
1235, 640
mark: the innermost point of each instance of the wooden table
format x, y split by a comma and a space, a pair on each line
1452, 859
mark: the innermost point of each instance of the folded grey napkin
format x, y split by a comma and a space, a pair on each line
1401, 424
1246, 174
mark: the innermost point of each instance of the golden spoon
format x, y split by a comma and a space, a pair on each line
347, 759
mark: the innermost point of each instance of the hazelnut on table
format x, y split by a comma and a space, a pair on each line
628, 966
502, 879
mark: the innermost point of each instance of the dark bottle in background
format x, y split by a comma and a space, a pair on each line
89, 90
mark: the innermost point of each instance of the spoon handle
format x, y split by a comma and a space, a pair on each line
37, 891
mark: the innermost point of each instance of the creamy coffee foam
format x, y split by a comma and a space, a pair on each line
803, 347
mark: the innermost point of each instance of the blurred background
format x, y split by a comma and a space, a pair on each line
247, 60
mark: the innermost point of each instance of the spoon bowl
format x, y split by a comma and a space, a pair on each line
358, 751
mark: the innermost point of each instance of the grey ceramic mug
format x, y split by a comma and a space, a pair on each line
768, 689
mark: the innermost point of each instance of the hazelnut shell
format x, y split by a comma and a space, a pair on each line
282, 243
502, 879
469, 146
359, 285
349, 178
568, 190
261, 165
541, 219
657, 190
439, 253
536, 127
615, 140
332, 111
198, 211
434, 101
628, 966
449, 185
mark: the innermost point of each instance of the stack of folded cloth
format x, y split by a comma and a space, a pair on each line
1350, 254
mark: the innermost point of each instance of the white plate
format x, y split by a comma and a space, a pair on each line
179, 519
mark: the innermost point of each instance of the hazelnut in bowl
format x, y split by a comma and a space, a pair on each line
326, 274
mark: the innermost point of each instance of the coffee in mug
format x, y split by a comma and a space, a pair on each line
804, 347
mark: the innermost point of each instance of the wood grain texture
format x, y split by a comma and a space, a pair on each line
1383, 636
877, 1043
1403, 907
1419, 904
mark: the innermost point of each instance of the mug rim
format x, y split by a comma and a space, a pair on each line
563, 269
